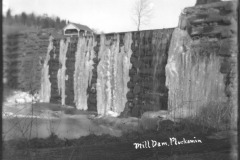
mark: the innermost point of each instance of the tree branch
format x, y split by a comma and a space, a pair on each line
142, 12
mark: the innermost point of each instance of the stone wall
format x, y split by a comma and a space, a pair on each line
69, 67
147, 74
180, 70
54, 66
202, 59
112, 73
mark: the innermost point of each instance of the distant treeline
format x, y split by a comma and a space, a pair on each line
41, 21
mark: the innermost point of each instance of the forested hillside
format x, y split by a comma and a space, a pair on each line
33, 20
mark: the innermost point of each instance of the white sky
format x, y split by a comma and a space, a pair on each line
104, 15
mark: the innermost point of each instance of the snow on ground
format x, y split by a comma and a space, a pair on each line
44, 121
47, 118
24, 119
19, 97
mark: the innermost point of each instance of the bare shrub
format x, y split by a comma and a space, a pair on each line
216, 115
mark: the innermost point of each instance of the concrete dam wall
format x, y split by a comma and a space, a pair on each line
183, 69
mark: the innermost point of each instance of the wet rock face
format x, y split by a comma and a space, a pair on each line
70, 68
54, 66
147, 75
202, 61
92, 90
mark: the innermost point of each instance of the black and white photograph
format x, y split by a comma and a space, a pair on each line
120, 79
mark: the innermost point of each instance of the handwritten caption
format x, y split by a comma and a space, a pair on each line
172, 141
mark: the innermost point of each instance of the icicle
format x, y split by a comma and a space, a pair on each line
116, 58
113, 75
88, 64
91, 55
103, 80
127, 65
122, 66
83, 71
100, 78
45, 91
80, 97
61, 76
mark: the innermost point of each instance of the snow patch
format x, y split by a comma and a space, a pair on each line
19, 97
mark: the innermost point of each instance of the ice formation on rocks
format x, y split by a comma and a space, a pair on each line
113, 74
45, 91
61, 75
83, 71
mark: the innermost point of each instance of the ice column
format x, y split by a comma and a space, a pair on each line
113, 74
83, 71
45, 91
103, 80
61, 76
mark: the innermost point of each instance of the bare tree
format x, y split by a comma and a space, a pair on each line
142, 12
